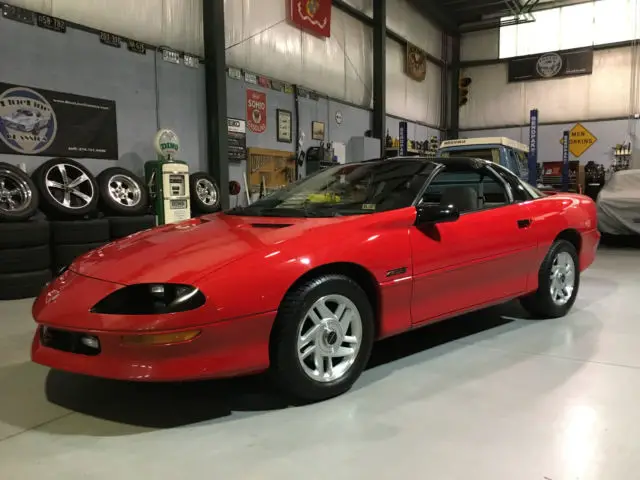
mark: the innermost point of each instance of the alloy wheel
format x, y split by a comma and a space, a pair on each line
124, 190
15, 194
329, 338
69, 186
206, 191
562, 279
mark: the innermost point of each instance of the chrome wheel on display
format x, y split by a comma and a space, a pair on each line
15, 193
69, 186
206, 191
562, 278
124, 190
329, 338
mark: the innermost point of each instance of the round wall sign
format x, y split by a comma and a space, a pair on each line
549, 65
166, 143
339, 117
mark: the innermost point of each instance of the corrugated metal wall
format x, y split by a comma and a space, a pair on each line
604, 94
259, 39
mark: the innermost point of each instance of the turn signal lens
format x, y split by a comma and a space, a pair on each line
160, 339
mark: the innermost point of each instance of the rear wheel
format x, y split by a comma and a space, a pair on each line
322, 339
558, 282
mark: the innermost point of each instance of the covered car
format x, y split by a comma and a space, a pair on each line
618, 204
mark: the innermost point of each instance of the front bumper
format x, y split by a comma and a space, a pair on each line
223, 349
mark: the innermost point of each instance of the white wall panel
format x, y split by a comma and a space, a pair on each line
365, 6
604, 94
259, 39
407, 98
404, 19
482, 45
173, 23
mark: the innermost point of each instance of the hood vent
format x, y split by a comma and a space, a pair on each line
270, 225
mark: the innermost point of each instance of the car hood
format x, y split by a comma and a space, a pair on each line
187, 251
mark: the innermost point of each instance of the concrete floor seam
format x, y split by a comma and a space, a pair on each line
36, 427
549, 355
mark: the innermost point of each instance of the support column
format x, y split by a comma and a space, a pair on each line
379, 72
216, 90
454, 96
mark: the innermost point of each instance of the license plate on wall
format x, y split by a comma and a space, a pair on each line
178, 204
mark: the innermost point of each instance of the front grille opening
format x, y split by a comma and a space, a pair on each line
70, 342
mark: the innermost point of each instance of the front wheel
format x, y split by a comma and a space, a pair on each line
558, 282
322, 338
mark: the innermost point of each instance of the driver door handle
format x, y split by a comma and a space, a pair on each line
524, 223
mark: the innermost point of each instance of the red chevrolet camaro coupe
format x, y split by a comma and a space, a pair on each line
302, 282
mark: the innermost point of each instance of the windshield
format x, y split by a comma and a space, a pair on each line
490, 154
352, 189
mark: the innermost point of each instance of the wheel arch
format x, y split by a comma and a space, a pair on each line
572, 236
359, 274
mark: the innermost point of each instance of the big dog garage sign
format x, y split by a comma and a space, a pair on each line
256, 111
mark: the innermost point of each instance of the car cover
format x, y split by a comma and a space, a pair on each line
619, 204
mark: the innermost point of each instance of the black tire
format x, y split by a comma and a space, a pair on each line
29, 259
50, 204
75, 232
64, 255
285, 366
540, 303
13, 178
124, 226
110, 205
14, 286
199, 205
31, 233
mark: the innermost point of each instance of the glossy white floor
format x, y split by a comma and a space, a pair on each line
486, 396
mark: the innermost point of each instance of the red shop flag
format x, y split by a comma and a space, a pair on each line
313, 16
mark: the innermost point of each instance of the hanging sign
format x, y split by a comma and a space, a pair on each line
551, 65
237, 139
313, 16
416, 63
256, 111
41, 122
580, 140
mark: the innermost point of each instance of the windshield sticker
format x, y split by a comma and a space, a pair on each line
368, 206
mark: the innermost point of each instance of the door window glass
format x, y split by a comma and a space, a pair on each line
469, 189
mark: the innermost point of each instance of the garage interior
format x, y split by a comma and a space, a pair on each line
493, 394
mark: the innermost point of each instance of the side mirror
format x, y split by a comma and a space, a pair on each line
429, 214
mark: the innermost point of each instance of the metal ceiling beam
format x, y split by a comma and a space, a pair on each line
434, 12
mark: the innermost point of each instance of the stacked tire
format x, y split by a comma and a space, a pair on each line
25, 259
72, 238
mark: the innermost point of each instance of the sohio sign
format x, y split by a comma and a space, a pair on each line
313, 16
256, 111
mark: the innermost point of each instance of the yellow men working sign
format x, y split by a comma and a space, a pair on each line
580, 140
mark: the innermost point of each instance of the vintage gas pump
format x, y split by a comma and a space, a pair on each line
168, 180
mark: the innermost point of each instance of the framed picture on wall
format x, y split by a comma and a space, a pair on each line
283, 118
317, 130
